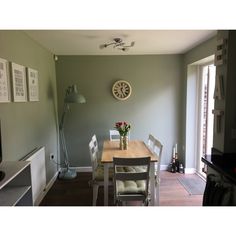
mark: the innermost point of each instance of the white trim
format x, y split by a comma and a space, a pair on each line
164, 167
89, 168
81, 168
84, 169
194, 73
189, 170
199, 115
46, 189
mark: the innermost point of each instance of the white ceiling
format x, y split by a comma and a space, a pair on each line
87, 42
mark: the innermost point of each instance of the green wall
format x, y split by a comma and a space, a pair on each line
153, 107
157, 103
28, 125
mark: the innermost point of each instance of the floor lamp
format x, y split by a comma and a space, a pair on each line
71, 96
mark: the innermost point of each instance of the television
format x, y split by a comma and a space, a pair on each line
1, 172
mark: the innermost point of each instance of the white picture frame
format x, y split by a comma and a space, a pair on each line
33, 85
18, 82
4, 81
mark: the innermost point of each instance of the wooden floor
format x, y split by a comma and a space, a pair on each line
172, 192
77, 192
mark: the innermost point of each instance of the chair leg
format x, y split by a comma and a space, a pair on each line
157, 200
146, 202
95, 194
118, 202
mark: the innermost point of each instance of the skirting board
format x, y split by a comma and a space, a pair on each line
164, 167
189, 170
83, 169
80, 169
89, 168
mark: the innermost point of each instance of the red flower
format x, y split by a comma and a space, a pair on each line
123, 128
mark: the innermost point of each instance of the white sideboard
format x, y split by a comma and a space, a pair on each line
15, 187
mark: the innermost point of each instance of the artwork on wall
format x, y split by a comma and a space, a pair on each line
18, 83
4, 82
33, 84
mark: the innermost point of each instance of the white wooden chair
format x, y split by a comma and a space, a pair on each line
131, 179
95, 142
150, 142
157, 150
98, 170
114, 135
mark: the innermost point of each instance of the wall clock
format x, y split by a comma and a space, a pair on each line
121, 90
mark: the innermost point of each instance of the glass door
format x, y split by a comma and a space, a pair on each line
206, 118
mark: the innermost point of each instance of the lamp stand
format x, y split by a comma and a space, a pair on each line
66, 173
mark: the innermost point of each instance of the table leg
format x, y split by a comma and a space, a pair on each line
152, 183
106, 169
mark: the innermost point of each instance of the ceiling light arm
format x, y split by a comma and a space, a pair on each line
128, 46
108, 44
119, 44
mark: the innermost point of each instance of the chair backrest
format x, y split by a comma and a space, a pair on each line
114, 135
95, 142
157, 150
120, 166
150, 142
93, 151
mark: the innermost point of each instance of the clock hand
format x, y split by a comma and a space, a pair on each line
123, 91
119, 91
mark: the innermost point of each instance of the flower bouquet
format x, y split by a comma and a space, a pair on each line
123, 129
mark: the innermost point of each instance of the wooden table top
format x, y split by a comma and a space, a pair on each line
136, 148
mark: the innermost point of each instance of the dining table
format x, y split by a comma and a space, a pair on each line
136, 148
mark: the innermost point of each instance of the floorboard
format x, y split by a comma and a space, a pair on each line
77, 192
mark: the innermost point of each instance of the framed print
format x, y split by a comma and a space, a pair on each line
18, 83
4, 81
33, 84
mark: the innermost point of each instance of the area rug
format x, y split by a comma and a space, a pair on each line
194, 184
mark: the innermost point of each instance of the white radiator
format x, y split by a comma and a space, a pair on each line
38, 173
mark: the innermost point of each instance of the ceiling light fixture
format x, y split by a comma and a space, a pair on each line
118, 43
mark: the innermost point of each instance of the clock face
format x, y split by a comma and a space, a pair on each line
121, 90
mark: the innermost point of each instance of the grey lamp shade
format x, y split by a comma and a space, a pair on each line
72, 95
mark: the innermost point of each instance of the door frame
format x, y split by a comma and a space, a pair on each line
192, 107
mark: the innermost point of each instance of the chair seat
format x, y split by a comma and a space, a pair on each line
132, 169
99, 173
131, 186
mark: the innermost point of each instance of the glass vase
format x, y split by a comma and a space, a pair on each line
126, 142
121, 142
